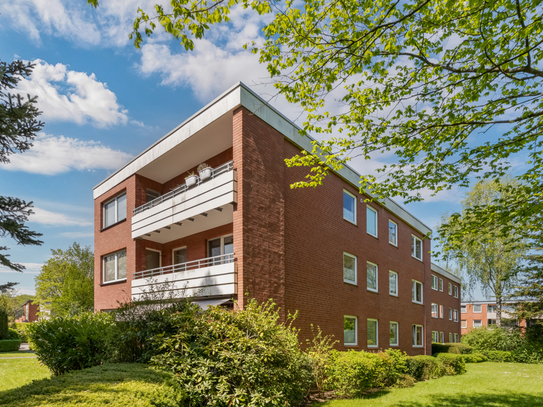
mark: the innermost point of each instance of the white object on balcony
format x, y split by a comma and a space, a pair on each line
205, 173
191, 180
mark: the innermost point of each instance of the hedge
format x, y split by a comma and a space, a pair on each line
424, 367
456, 348
498, 355
9, 345
469, 358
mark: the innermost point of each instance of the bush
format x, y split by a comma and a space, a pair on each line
424, 367
4, 333
497, 355
9, 345
71, 343
458, 362
352, 373
13, 334
20, 328
242, 357
456, 348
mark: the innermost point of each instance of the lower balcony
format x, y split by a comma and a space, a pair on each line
212, 276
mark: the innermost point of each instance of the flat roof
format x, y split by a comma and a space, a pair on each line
242, 95
440, 270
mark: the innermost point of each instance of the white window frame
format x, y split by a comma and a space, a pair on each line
450, 314
414, 240
376, 220
463, 309
480, 310
355, 282
442, 337
414, 336
441, 311
174, 250
397, 343
355, 330
455, 291
117, 279
464, 322
455, 315
395, 243
376, 333
354, 207
435, 314
376, 289
441, 285
116, 199
159, 257
480, 322
435, 336
455, 338
436, 281
397, 284
450, 289
222, 243
413, 284
450, 337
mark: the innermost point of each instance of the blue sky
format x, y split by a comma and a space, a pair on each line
103, 102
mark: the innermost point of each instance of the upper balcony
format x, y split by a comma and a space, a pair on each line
187, 210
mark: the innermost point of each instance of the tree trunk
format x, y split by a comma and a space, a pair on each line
498, 311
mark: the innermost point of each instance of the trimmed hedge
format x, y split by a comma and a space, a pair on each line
9, 345
498, 355
13, 334
469, 358
456, 348
424, 367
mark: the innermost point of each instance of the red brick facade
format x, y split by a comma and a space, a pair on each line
448, 304
289, 245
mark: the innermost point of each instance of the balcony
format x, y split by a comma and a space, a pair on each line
188, 210
212, 276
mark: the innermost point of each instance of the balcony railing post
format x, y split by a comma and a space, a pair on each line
187, 266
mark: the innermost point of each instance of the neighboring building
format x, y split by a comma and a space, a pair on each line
360, 271
444, 305
483, 313
28, 312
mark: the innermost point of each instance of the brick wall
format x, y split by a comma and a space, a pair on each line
448, 301
469, 316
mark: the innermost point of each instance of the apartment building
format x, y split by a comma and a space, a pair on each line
476, 314
444, 305
207, 212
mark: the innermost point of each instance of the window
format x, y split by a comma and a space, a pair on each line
434, 310
392, 233
463, 324
441, 311
450, 314
490, 308
477, 308
393, 283
372, 276
463, 309
179, 256
115, 210
114, 266
349, 268
450, 337
152, 259
455, 338
450, 289
371, 221
151, 195
434, 282
477, 323
220, 246
417, 292
350, 324
418, 331
435, 336
442, 337
455, 315
455, 291
394, 340
416, 247
441, 284
349, 207
373, 333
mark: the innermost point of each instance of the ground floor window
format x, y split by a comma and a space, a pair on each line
114, 266
477, 323
373, 333
350, 325
435, 336
450, 337
418, 337
394, 340
455, 338
442, 337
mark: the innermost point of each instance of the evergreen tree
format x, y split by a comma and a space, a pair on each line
18, 128
530, 287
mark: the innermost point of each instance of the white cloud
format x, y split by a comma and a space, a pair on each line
45, 217
72, 96
76, 235
51, 155
30, 268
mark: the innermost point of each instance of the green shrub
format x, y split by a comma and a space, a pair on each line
242, 357
9, 345
20, 328
319, 350
456, 348
497, 355
13, 334
352, 373
4, 332
71, 343
424, 367
468, 358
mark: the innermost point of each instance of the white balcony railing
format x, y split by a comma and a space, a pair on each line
229, 166
212, 276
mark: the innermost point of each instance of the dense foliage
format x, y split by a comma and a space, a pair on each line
9, 345
467, 358
424, 367
457, 348
530, 287
4, 328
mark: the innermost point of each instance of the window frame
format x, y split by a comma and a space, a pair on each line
159, 257
222, 243
455, 337
440, 285
477, 312
117, 220
355, 268
455, 315
376, 212
450, 314
442, 337
354, 207
436, 280
173, 254
441, 312
414, 240
413, 335
450, 289
463, 309
455, 289
397, 285
397, 333
435, 336
464, 322
376, 333
450, 337
480, 322
436, 312
376, 289
355, 330
395, 244
117, 279
413, 284
152, 190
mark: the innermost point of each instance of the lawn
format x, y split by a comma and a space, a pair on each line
18, 354
484, 384
18, 372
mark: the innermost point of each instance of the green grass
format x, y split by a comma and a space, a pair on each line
18, 372
484, 384
18, 354
130, 385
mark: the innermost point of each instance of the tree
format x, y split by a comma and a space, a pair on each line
530, 287
67, 281
4, 288
453, 89
18, 127
486, 258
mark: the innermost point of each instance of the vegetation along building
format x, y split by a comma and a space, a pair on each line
207, 211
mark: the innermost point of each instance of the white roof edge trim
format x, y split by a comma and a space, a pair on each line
445, 273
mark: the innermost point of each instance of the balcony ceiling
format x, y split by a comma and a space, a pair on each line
206, 143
